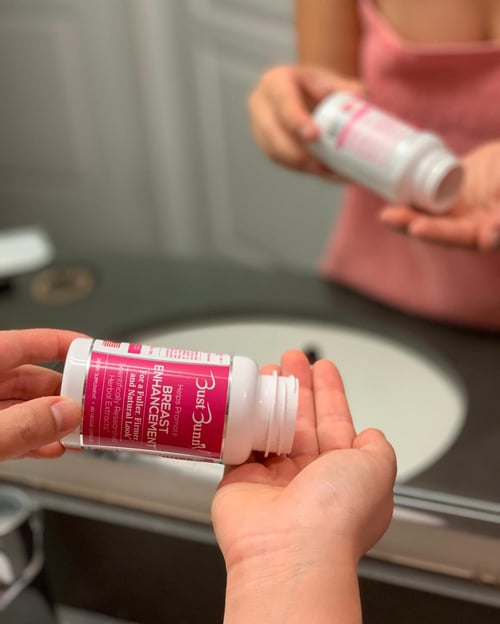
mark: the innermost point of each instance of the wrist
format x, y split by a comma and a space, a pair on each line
292, 584
301, 548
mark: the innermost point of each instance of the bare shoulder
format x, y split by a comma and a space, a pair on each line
441, 21
328, 34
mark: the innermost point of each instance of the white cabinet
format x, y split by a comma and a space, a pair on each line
72, 150
123, 123
257, 212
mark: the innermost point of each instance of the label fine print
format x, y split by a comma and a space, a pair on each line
169, 401
365, 132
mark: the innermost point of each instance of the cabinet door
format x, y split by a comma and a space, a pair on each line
123, 124
77, 150
257, 211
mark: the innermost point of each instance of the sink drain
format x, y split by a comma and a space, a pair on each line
62, 285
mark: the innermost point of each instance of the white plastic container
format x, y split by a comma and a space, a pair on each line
388, 156
177, 403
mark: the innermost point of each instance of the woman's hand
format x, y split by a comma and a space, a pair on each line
280, 111
292, 529
474, 220
332, 495
33, 418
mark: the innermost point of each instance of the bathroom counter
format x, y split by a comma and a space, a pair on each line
134, 294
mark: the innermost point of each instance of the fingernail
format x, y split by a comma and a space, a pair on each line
66, 414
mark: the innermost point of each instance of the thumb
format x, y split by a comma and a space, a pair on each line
376, 444
32, 424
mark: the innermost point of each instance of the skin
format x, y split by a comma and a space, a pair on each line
33, 418
474, 219
292, 529
327, 48
443, 21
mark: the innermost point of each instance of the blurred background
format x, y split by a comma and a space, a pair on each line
124, 134
123, 126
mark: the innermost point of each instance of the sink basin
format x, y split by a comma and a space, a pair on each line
413, 395
415, 398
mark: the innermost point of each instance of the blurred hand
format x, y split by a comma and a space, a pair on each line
333, 494
280, 111
474, 220
32, 417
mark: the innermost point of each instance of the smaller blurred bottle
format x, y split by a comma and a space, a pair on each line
177, 403
388, 156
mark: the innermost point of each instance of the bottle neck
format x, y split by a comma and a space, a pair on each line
276, 403
437, 180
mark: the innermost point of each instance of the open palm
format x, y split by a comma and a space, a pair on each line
335, 486
474, 220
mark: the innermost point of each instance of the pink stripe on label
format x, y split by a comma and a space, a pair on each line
155, 405
342, 136
134, 348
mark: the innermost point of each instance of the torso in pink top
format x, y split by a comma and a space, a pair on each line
453, 91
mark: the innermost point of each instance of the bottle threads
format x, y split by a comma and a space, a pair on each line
390, 157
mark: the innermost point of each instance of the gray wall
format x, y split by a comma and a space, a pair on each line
123, 124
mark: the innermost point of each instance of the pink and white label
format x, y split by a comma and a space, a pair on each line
369, 133
154, 399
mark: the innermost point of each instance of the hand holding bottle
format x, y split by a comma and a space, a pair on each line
474, 219
280, 111
293, 529
32, 417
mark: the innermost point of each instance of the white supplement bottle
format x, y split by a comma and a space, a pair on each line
393, 159
177, 403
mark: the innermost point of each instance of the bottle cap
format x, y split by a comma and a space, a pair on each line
73, 382
276, 410
437, 180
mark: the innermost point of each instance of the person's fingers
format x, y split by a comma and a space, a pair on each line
280, 113
32, 346
49, 451
33, 424
489, 239
445, 230
375, 442
296, 91
450, 230
280, 143
398, 216
279, 92
333, 416
29, 381
284, 88
270, 369
489, 233
305, 441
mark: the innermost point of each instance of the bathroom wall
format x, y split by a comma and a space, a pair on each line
123, 124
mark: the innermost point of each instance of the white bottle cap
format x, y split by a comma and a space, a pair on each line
436, 182
73, 381
275, 413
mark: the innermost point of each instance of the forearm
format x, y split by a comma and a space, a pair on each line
328, 34
287, 592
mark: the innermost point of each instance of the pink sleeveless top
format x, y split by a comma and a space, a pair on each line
454, 91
